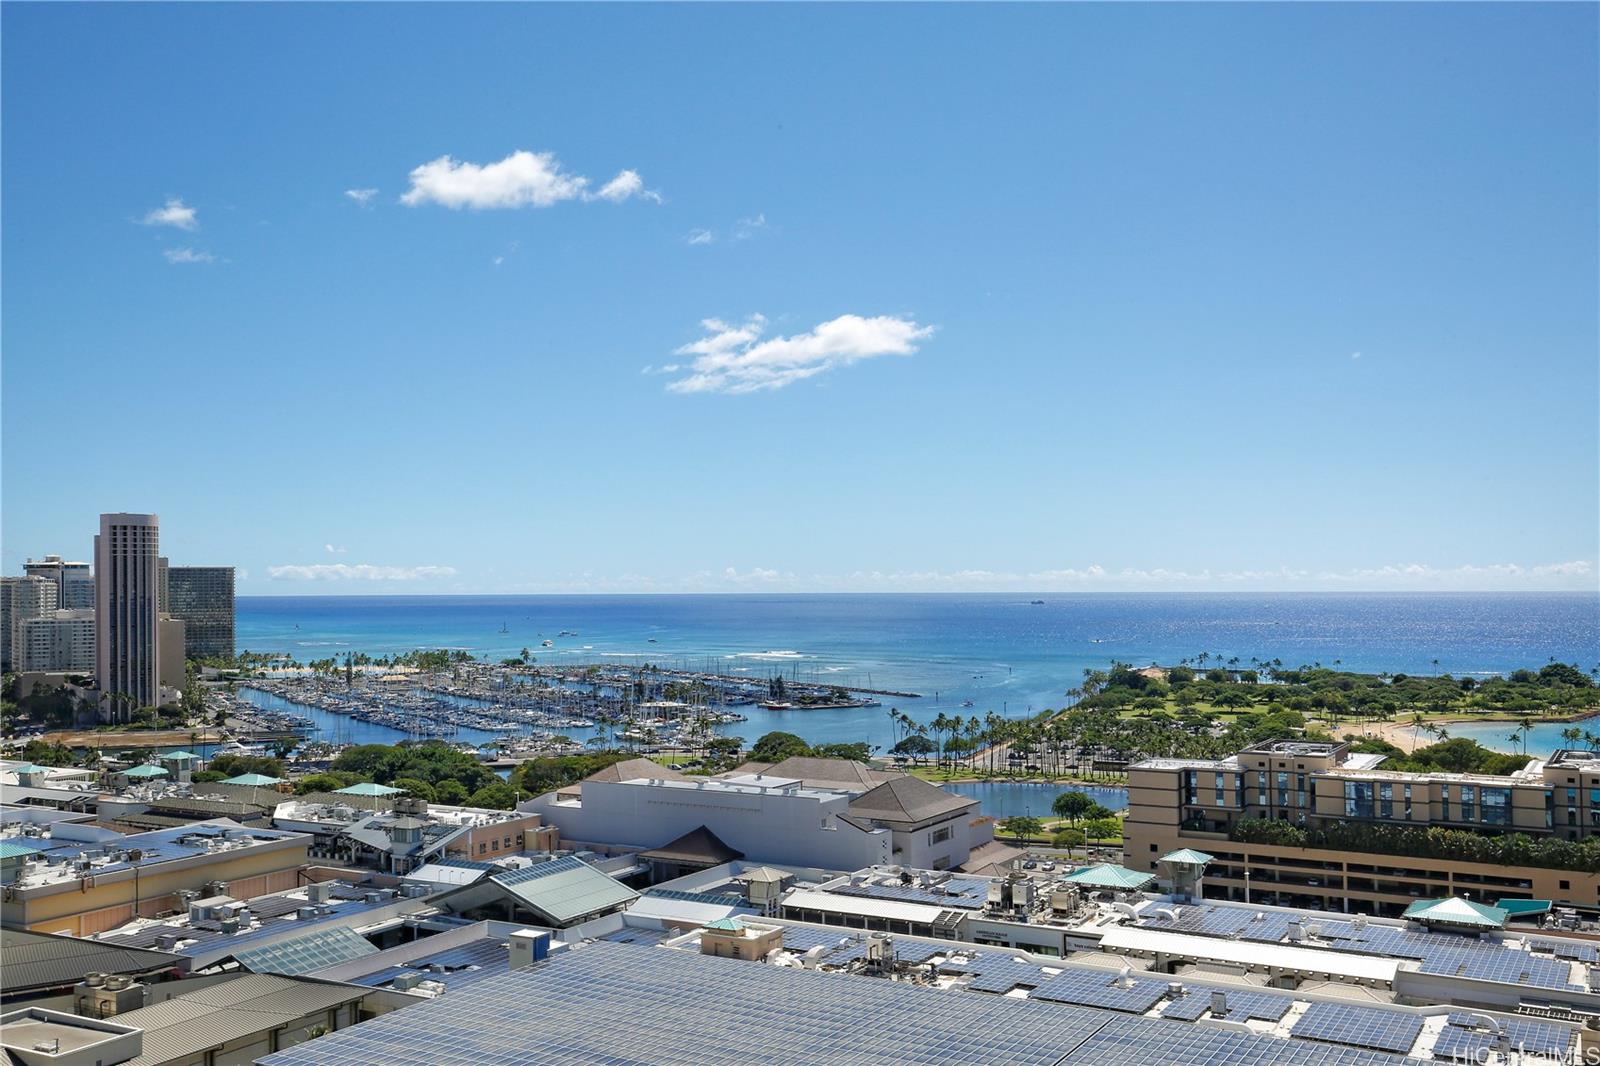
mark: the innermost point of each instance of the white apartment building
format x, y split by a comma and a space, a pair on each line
74, 582
59, 642
21, 598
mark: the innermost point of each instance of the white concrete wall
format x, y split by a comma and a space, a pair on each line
770, 826
918, 848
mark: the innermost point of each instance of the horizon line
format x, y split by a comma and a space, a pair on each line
936, 592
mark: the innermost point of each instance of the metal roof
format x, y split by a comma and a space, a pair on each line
218, 1014
143, 771
1109, 875
1451, 911
367, 788
1187, 855
564, 889
40, 960
252, 779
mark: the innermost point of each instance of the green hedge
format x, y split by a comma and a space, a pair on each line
1508, 849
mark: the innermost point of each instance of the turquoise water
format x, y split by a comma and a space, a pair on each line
1001, 652
1004, 799
1543, 738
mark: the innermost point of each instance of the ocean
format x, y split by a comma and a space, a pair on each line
1001, 653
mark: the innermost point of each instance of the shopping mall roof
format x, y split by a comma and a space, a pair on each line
685, 1009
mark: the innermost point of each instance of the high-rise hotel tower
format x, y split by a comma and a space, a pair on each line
127, 620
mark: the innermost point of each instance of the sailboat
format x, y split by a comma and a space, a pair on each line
503, 628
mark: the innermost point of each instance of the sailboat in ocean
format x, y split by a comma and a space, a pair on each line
503, 628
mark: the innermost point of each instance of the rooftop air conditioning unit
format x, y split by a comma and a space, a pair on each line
320, 892
305, 914
406, 981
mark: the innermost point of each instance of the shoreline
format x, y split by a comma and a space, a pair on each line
1407, 736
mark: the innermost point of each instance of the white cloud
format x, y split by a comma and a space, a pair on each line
335, 551
364, 197
700, 236
188, 255
521, 179
1355, 355
625, 186
749, 227
1576, 575
173, 213
358, 572
733, 358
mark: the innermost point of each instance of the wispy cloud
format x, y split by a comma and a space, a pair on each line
358, 572
173, 213
188, 255
746, 228
364, 197
1577, 575
734, 359
742, 230
626, 186
335, 551
521, 179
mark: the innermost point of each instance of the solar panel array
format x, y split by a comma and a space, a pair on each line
719, 899
634, 935
537, 870
964, 892
313, 951
1462, 1039
684, 1009
454, 968
1102, 988
802, 938
1505, 965
1441, 953
1001, 973
1368, 1027
1126, 1040
1242, 1006
1569, 949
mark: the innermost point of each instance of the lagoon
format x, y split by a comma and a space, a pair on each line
1006, 799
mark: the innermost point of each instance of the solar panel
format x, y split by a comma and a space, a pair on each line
1002, 973
1463, 1038
965, 893
1132, 1040
537, 870
1242, 1006
1568, 949
1100, 988
1460, 954
716, 898
1368, 1027
684, 1009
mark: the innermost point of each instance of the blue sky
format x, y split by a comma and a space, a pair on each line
380, 298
